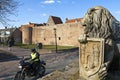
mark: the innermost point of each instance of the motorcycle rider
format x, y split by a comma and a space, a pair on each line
32, 67
34, 59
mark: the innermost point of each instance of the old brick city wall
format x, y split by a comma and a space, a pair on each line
26, 35
67, 34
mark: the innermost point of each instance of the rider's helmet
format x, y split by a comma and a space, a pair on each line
33, 50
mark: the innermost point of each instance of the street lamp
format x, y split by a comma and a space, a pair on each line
5, 34
55, 38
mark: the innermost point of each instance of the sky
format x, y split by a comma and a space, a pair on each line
38, 11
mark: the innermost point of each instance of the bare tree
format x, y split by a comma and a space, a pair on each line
7, 8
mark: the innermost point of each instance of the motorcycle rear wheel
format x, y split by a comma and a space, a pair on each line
41, 71
20, 76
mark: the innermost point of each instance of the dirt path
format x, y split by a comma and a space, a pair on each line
54, 61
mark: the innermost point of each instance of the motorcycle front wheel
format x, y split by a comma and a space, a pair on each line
20, 76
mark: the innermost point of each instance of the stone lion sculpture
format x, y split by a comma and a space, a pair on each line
99, 23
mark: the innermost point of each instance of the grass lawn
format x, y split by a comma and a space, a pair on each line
50, 47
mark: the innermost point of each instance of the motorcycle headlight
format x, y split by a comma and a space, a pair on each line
19, 66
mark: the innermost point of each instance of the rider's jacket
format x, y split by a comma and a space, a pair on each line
35, 57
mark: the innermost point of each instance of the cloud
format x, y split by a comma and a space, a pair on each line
73, 2
43, 15
118, 12
49, 1
30, 10
58, 1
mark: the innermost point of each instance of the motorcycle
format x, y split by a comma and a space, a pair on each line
27, 70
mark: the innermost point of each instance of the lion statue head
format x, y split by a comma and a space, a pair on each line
99, 23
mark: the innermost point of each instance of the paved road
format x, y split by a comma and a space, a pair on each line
9, 63
55, 61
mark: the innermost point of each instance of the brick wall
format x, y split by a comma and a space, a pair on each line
67, 34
